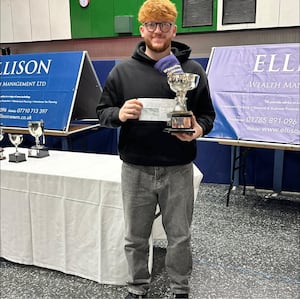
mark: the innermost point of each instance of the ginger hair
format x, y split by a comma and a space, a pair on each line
157, 10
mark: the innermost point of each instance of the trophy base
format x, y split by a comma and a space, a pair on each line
179, 130
181, 122
16, 158
38, 152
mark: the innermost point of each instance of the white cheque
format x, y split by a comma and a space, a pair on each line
155, 109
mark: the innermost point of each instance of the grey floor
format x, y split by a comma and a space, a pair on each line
247, 250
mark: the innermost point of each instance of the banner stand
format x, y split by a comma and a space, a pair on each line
61, 88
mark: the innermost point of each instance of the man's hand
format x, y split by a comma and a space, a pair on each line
191, 136
130, 110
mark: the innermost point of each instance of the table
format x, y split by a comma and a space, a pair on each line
64, 212
74, 128
237, 157
238, 160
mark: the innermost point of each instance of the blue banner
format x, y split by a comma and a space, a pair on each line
255, 92
39, 86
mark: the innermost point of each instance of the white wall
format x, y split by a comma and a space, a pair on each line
6, 21
34, 20
289, 12
46, 20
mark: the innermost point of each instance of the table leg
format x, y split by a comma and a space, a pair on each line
238, 159
235, 153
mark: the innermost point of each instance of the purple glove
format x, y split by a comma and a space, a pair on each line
168, 64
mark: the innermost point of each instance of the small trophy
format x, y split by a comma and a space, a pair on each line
1, 149
181, 119
16, 139
36, 129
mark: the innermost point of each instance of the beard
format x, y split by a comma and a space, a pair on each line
158, 48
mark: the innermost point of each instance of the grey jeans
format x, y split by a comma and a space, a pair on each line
143, 187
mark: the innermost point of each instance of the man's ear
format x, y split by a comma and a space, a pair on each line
174, 30
142, 28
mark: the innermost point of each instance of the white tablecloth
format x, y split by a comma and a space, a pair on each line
64, 212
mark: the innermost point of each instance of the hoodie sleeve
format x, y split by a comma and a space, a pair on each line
110, 103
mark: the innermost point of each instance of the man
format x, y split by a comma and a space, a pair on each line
157, 166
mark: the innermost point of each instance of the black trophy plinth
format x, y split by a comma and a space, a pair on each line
38, 152
17, 157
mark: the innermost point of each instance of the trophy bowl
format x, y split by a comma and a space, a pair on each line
36, 129
181, 118
2, 157
16, 140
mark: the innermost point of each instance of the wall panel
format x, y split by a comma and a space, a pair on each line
102, 19
289, 14
21, 20
96, 20
6, 25
59, 18
40, 22
267, 13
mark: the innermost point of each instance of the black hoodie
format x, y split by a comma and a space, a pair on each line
144, 142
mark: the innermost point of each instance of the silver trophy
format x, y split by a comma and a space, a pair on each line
16, 140
181, 118
36, 129
1, 149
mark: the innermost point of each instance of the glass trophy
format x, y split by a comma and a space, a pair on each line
1, 149
16, 140
36, 129
181, 118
